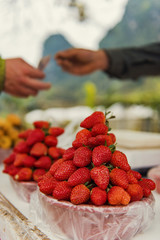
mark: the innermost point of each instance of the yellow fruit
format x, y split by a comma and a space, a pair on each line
14, 119
5, 142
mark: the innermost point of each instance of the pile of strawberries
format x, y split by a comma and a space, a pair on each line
92, 171
35, 152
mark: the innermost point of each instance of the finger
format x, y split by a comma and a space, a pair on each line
36, 84
69, 53
22, 92
35, 73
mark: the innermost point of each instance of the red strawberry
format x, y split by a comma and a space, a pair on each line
82, 157
98, 196
11, 169
50, 141
119, 178
24, 174
80, 176
80, 194
38, 173
18, 162
36, 135
69, 153
41, 124
136, 174
21, 147
55, 131
118, 196
100, 176
131, 177
56, 165
44, 177
10, 159
38, 149
99, 129
43, 162
65, 170
104, 140
119, 159
100, 155
113, 137
80, 142
146, 190
25, 133
93, 119
62, 191
48, 185
28, 161
83, 133
61, 151
149, 183
54, 152
135, 191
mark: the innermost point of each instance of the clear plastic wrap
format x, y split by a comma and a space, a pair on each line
154, 174
89, 222
4, 153
23, 189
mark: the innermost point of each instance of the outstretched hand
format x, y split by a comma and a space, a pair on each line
23, 80
81, 61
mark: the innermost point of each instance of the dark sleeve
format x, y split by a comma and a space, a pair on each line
134, 62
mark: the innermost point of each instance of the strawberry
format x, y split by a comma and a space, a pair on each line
48, 185
146, 190
65, 170
61, 151
56, 131
80, 176
131, 177
136, 174
84, 133
93, 119
10, 159
21, 147
28, 161
69, 153
101, 154
135, 191
50, 141
24, 174
38, 149
99, 129
56, 165
80, 194
100, 176
119, 178
36, 135
98, 196
41, 124
80, 142
11, 169
18, 162
25, 134
113, 137
37, 174
62, 191
44, 177
82, 157
149, 183
119, 159
54, 152
43, 162
118, 196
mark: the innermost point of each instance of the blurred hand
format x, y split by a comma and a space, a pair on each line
81, 61
23, 80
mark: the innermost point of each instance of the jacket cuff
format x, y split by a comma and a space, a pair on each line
2, 73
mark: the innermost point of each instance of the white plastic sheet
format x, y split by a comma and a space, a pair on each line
88, 222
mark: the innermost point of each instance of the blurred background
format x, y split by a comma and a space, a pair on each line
33, 29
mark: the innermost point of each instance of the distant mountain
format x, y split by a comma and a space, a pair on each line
139, 25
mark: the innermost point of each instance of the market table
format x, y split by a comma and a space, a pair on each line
22, 211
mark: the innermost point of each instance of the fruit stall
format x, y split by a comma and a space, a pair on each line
90, 190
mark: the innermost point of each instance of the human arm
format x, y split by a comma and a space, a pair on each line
120, 63
21, 79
